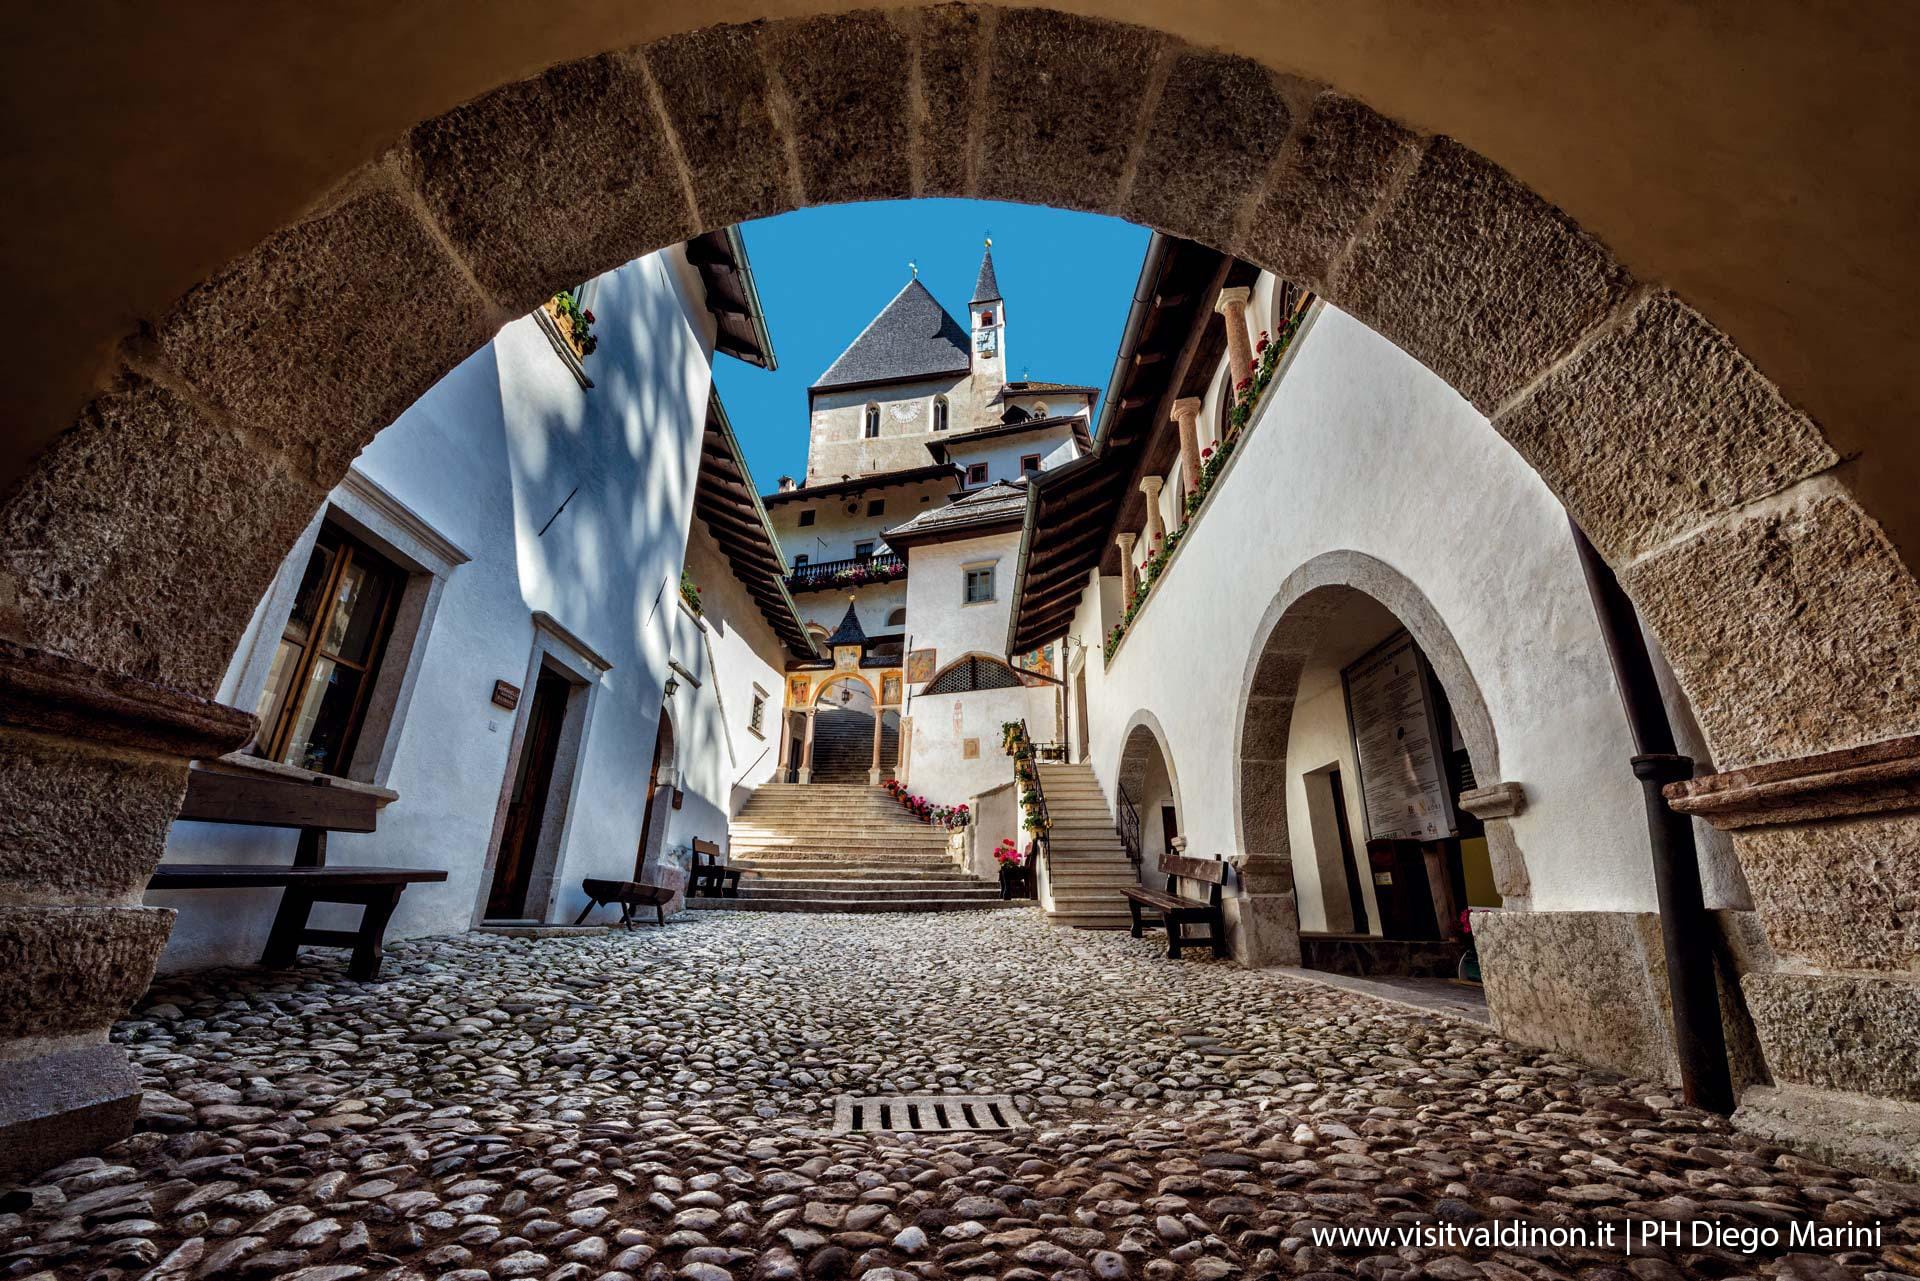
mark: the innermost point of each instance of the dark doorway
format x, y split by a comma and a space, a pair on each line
1356, 893
1169, 827
520, 839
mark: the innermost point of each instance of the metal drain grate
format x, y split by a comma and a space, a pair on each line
926, 1113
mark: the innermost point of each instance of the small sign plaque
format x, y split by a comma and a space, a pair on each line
505, 695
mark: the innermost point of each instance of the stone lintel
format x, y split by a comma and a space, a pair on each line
63, 697
1875, 778
1495, 800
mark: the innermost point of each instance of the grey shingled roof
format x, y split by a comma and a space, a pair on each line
912, 337
1031, 388
988, 507
987, 287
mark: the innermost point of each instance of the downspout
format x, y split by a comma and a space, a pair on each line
1686, 930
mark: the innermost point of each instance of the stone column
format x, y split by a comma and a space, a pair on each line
92, 769
1232, 306
785, 745
805, 774
1126, 569
873, 769
1186, 412
1150, 487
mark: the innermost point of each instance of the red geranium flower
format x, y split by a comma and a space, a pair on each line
589, 316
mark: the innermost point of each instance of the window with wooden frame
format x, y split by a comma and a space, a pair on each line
757, 718
1030, 464
976, 473
806, 516
329, 655
977, 584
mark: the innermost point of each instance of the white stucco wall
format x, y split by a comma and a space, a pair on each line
938, 767
1002, 454
486, 458
1361, 448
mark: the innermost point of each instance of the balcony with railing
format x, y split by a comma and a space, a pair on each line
855, 571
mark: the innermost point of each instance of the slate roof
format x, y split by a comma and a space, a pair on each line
987, 287
989, 508
850, 632
912, 337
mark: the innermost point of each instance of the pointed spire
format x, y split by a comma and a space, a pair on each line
987, 287
850, 632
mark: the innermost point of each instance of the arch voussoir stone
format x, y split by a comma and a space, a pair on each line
712, 86
1658, 426
1477, 277
951, 70
1066, 101
1217, 125
552, 180
142, 541
1793, 627
324, 334
845, 82
1339, 164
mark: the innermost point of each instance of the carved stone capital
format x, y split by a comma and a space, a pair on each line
1186, 408
1238, 296
1495, 800
1877, 778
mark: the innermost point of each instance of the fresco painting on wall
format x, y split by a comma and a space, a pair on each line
920, 666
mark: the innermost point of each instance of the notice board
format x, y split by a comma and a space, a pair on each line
1397, 745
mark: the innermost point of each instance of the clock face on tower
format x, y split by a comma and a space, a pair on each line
987, 341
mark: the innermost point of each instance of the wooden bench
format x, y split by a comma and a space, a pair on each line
1175, 910
708, 876
316, 808
629, 895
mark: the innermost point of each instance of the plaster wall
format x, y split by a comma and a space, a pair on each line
1002, 454
938, 765
1361, 448
835, 529
487, 458
1318, 738
734, 652
836, 446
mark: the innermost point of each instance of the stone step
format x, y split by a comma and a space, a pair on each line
868, 894
930, 904
795, 867
872, 884
827, 836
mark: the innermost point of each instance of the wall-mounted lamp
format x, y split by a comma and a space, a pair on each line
672, 685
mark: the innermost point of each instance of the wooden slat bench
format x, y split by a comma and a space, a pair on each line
708, 876
628, 894
316, 808
1175, 910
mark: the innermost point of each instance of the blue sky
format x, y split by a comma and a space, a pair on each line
823, 273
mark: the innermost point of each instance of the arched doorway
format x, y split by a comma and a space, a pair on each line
844, 732
663, 780
1363, 730
1147, 794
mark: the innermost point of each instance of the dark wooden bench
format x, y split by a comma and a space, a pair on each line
708, 876
629, 895
316, 808
1175, 910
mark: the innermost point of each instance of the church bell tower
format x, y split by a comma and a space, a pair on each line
988, 312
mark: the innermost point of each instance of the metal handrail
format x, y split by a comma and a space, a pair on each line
881, 568
1128, 825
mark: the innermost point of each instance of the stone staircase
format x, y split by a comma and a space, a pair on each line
841, 847
1088, 864
843, 746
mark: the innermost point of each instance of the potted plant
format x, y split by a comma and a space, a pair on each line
1015, 877
1469, 967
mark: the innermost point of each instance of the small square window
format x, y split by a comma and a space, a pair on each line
863, 551
757, 718
976, 473
979, 585
806, 517
878, 507
800, 560
1029, 464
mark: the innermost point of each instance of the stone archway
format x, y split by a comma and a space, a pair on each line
1147, 778
1284, 643
133, 551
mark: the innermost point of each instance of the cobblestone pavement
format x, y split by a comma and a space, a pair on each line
657, 1105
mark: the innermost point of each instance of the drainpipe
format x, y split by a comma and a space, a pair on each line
1685, 928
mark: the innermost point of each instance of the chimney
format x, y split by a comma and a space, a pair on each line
786, 484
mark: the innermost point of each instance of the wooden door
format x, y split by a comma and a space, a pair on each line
653, 786
519, 842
